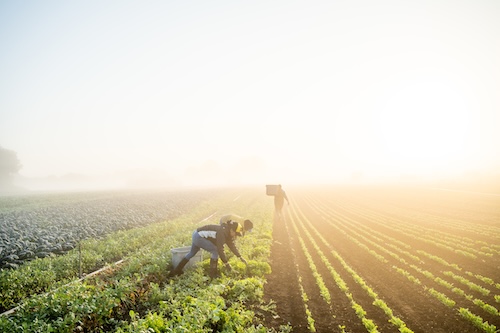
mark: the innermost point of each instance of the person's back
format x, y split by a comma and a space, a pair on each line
279, 200
219, 235
210, 231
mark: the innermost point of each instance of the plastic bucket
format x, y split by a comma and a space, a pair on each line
179, 253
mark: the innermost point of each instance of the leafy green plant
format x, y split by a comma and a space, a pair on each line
137, 293
477, 321
442, 297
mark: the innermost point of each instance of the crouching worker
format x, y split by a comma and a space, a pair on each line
212, 238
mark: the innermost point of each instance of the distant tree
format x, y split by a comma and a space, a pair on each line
9, 166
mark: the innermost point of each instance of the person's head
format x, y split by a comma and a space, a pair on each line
247, 226
235, 229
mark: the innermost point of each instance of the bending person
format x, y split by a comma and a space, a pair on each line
212, 238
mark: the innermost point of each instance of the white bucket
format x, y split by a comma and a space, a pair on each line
179, 253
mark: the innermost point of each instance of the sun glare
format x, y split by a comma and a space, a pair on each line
424, 128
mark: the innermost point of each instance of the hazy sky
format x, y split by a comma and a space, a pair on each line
240, 91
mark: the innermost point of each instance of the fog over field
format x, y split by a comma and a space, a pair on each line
161, 94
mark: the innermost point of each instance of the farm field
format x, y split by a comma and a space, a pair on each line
346, 259
395, 259
41, 225
131, 291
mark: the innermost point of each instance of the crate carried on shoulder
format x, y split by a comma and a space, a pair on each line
272, 189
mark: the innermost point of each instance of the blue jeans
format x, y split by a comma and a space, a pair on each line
198, 243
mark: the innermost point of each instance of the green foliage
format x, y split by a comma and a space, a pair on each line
71, 307
486, 307
249, 289
137, 295
258, 268
259, 251
471, 285
477, 321
369, 325
15, 285
194, 303
37, 226
45, 274
442, 298
9, 165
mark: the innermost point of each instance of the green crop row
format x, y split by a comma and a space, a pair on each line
477, 321
323, 290
358, 309
425, 235
305, 299
349, 224
471, 285
53, 225
45, 274
440, 296
400, 324
138, 296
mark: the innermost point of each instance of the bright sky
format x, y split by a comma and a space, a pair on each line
250, 91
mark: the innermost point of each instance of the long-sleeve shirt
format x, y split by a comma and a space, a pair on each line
219, 235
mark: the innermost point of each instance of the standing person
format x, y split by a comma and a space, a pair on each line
279, 200
212, 238
247, 224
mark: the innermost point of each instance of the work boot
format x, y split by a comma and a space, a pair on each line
178, 270
213, 273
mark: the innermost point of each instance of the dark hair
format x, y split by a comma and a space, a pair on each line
247, 225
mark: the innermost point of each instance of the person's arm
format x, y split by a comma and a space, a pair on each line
233, 248
286, 198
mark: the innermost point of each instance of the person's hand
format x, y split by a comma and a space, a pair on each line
244, 261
